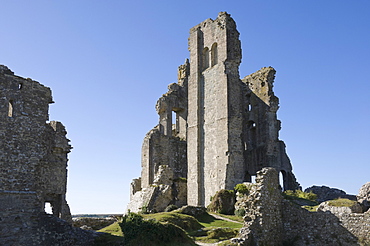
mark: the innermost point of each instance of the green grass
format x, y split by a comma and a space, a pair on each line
184, 221
290, 194
113, 229
214, 234
150, 231
311, 208
113, 236
232, 217
341, 202
205, 228
208, 220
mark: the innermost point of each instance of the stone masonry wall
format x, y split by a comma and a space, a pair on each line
33, 160
263, 218
271, 220
214, 118
261, 128
302, 227
226, 127
164, 148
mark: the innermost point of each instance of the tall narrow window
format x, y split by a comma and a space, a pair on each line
205, 58
282, 179
252, 133
10, 110
214, 55
175, 124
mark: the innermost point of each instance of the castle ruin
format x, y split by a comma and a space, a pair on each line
215, 130
33, 161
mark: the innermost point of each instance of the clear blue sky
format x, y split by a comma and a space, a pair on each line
107, 63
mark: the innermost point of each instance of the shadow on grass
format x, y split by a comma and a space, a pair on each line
206, 218
105, 239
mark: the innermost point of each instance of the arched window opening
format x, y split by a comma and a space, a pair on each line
205, 58
10, 109
214, 55
48, 208
20, 86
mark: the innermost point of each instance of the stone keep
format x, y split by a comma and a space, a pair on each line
33, 159
226, 128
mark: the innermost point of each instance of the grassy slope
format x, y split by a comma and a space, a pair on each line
205, 228
113, 236
208, 220
186, 222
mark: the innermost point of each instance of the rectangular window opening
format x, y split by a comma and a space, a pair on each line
48, 209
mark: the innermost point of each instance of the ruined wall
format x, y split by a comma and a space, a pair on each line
166, 143
271, 220
159, 149
164, 148
33, 158
226, 128
261, 128
263, 210
214, 118
302, 227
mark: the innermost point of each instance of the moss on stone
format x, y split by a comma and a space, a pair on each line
242, 189
223, 202
341, 202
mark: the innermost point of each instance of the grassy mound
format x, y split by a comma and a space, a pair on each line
138, 231
167, 229
186, 222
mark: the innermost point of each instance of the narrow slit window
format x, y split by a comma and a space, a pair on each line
281, 179
214, 55
10, 110
174, 121
20, 86
205, 58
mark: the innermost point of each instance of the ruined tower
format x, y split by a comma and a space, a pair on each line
226, 128
33, 160
215, 152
